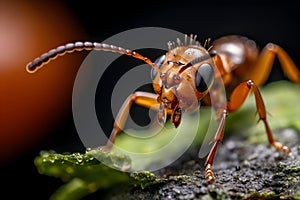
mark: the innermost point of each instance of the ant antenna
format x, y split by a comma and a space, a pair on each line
79, 46
197, 60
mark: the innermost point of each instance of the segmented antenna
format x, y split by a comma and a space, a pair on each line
204, 57
79, 46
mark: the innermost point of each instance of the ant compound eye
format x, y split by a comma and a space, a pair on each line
204, 77
158, 62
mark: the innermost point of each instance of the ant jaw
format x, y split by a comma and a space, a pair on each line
162, 114
176, 116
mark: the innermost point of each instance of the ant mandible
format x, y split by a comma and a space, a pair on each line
187, 69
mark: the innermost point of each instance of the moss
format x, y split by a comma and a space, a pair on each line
145, 179
297, 195
264, 195
294, 169
78, 171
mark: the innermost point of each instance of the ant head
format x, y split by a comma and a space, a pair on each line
184, 70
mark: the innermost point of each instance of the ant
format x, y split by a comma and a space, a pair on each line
191, 68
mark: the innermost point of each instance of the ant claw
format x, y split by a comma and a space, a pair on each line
209, 175
287, 150
281, 147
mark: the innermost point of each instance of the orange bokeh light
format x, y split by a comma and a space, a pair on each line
31, 105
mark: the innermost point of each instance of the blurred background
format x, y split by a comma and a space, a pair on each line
35, 110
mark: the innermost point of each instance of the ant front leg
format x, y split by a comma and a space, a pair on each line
238, 97
263, 65
148, 100
219, 102
221, 116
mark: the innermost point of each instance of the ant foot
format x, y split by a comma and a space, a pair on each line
209, 175
280, 147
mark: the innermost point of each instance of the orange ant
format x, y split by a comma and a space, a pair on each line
190, 68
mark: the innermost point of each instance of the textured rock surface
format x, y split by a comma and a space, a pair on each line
243, 171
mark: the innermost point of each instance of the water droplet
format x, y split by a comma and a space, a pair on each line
88, 149
126, 167
79, 157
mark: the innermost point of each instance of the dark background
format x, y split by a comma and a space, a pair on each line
264, 21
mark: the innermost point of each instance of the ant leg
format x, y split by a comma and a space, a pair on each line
148, 100
209, 175
263, 66
238, 97
218, 101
